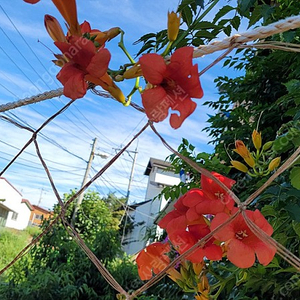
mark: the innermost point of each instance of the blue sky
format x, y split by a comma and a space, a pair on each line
26, 69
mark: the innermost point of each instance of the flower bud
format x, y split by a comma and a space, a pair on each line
54, 29
267, 145
133, 72
174, 275
243, 151
239, 166
173, 25
274, 163
198, 267
112, 33
117, 93
256, 139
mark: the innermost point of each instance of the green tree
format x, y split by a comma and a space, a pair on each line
61, 270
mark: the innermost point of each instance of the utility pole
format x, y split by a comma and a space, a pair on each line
41, 196
128, 191
85, 179
131, 174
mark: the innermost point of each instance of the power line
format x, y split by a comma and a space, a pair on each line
24, 57
20, 68
53, 142
26, 42
52, 161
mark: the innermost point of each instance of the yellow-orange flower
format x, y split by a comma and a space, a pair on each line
107, 84
198, 267
174, 275
203, 288
68, 10
133, 72
244, 152
173, 25
239, 166
256, 139
274, 164
112, 33
54, 29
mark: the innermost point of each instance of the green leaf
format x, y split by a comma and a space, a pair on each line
296, 227
227, 30
266, 11
255, 16
295, 179
187, 15
235, 22
222, 12
292, 86
185, 142
268, 210
200, 3
294, 209
244, 5
288, 36
204, 25
205, 34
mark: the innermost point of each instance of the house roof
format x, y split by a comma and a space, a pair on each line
42, 210
10, 185
27, 202
156, 162
6, 207
134, 206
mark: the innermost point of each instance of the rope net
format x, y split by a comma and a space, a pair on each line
235, 41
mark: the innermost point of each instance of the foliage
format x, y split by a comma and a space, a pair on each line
12, 241
266, 98
61, 270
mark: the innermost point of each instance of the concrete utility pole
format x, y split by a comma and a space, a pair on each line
85, 179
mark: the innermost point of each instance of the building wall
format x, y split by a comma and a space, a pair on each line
38, 214
18, 219
147, 212
18, 216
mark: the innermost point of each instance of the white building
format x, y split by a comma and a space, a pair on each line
14, 210
146, 212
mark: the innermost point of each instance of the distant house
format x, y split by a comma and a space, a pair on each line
146, 212
14, 210
38, 214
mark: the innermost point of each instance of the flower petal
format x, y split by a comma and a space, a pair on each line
264, 253
181, 61
31, 1
192, 215
152, 258
208, 206
179, 223
73, 81
224, 234
167, 218
240, 254
155, 104
99, 63
192, 197
186, 107
153, 67
213, 252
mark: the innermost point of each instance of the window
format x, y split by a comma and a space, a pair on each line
39, 217
14, 216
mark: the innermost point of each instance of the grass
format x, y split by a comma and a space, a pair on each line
13, 241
